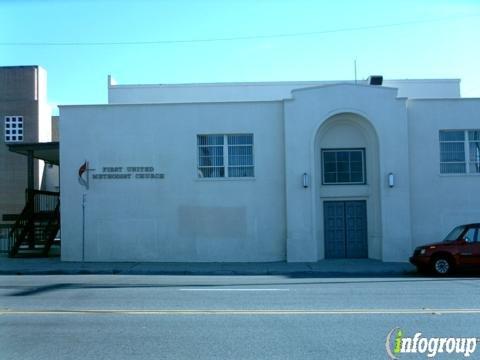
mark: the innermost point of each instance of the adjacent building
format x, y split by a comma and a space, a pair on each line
287, 171
26, 118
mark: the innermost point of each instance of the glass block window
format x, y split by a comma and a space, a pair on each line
343, 166
222, 156
459, 151
13, 129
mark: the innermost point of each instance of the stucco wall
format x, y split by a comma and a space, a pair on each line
440, 201
272, 217
304, 115
426, 89
263, 91
180, 217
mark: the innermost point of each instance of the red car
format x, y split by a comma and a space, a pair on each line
460, 249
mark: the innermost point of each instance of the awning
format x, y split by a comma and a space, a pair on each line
47, 151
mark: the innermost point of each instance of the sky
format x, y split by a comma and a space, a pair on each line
185, 41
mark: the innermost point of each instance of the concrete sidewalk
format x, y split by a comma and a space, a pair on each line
342, 267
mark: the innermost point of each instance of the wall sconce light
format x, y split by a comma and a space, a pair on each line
305, 180
391, 180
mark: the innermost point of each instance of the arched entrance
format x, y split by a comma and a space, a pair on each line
347, 188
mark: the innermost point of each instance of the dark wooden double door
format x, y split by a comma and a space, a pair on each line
345, 224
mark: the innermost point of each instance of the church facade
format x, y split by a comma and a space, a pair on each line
247, 172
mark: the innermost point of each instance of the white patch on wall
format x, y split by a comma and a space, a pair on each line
212, 222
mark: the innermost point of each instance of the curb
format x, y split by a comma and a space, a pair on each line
312, 273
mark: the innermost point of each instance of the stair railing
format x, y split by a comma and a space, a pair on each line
39, 205
51, 229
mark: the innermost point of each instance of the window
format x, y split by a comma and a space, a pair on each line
210, 156
459, 151
240, 155
471, 235
455, 233
13, 128
343, 166
474, 151
221, 156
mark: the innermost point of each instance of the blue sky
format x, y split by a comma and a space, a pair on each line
407, 39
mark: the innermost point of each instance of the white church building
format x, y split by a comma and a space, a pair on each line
273, 171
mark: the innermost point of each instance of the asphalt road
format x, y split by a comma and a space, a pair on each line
228, 317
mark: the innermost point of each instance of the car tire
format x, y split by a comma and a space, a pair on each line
442, 266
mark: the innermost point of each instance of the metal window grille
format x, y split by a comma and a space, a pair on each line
210, 156
225, 156
240, 155
343, 166
452, 152
474, 151
459, 151
13, 129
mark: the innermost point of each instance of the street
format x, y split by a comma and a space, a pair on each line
228, 317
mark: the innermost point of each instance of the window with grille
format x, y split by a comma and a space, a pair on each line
14, 129
225, 156
459, 151
474, 151
343, 166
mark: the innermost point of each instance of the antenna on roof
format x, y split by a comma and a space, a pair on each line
355, 70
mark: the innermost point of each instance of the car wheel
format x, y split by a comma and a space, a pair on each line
442, 266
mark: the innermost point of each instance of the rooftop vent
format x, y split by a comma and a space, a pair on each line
375, 80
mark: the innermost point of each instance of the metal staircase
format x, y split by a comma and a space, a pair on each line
36, 227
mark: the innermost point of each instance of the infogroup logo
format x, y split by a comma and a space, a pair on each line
397, 343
